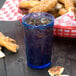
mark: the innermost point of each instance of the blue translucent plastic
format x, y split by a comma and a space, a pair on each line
38, 41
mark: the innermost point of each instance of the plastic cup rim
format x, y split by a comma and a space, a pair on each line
39, 25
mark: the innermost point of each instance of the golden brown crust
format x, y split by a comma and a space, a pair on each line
44, 6
62, 6
57, 70
62, 11
69, 5
28, 4
8, 43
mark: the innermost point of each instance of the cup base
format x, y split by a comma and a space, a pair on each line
38, 67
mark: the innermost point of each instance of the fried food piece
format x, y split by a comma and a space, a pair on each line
44, 6
57, 70
69, 5
7, 38
8, 43
62, 11
28, 4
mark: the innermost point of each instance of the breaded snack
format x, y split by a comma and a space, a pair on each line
44, 6
28, 4
62, 11
8, 43
69, 5
57, 70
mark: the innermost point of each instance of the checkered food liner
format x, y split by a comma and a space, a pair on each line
67, 19
9, 11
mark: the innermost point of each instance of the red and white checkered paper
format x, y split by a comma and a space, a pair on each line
9, 11
67, 19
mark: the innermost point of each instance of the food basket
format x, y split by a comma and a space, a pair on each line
68, 29
59, 30
64, 31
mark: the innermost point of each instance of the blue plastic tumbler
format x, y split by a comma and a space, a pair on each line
38, 40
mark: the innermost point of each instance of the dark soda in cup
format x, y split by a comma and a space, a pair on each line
38, 38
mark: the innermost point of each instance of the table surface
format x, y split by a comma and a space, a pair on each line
64, 53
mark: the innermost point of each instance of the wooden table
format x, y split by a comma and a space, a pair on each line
64, 53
